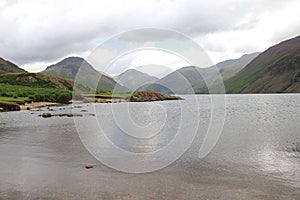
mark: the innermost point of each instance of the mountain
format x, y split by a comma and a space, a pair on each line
69, 67
275, 70
155, 87
189, 80
155, 70
231, 67
133, 79
227, 69
8, 67
182, 80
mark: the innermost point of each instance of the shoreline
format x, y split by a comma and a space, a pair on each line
33, 105
140, 96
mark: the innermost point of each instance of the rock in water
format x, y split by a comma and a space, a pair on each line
46, 115
89, 166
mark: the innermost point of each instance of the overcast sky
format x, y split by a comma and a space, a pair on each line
34, 34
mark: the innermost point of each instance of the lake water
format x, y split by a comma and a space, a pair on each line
256, 157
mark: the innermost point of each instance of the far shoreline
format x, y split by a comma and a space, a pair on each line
142, 96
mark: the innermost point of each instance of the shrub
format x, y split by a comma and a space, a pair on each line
31, 97
64, 97
35, 94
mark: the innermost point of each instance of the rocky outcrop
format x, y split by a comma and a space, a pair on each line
28, 79
8, 106
150, 95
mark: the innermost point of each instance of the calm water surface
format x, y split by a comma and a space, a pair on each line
256, 157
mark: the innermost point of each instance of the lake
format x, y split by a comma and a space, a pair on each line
256, 157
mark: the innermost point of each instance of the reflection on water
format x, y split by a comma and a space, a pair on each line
275, 163
293, 150
139, 127
262, 132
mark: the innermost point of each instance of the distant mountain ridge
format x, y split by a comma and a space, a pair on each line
69, 67
275, 70
133, 79
189, 80
9, 67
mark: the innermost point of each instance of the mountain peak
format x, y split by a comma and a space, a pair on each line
129, 71
69, 61
69, 67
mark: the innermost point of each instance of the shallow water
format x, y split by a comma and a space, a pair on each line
256, 157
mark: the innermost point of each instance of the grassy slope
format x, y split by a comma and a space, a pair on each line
36, 81
6, 67
274, 71
35, 87
17, 93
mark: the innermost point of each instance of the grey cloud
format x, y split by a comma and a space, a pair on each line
48, 30
286, 34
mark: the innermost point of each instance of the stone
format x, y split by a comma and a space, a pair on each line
89, 166
46, 115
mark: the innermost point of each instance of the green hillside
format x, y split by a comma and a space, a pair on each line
276, 70
20, 87
229, 68
8, 67
36, 80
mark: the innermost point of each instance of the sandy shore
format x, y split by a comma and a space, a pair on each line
28, 106
33, 105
